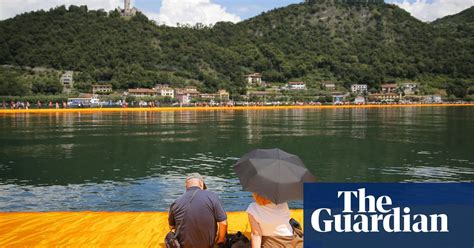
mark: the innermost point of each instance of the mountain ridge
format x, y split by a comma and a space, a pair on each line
311, 41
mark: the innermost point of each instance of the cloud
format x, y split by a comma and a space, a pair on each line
191, 12
431, 10
10, 8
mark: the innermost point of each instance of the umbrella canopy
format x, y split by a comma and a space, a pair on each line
274, 174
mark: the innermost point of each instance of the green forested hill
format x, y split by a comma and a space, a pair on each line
460, 25
313, 41
463, 18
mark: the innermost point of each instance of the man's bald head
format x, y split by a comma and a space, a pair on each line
194, 182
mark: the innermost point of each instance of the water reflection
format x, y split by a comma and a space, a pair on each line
137, 161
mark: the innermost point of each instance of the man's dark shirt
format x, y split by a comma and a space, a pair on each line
199, 227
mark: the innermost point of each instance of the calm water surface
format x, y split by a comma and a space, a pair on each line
137, 161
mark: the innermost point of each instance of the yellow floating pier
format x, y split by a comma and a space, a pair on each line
167, 109
97, 229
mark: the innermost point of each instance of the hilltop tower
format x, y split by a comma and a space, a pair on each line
127, 11
127, 6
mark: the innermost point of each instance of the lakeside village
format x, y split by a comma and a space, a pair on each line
259, 93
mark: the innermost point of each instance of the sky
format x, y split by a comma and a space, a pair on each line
171, 12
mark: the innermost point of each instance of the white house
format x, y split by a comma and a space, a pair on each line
67, 80
360, 100
167, 92
254, 79
296, 86
101, 88
409, 88
359, 88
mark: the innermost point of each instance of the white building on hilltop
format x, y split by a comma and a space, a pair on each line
127, 11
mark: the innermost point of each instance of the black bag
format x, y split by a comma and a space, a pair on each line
171, 239
296, 228
298, 235
237, 240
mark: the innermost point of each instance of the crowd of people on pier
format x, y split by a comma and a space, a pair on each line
28, 105
14, 105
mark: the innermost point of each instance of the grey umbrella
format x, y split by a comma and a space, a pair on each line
274, 174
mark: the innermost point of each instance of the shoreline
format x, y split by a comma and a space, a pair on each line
237, 108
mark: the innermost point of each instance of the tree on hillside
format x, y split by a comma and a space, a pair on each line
12, 85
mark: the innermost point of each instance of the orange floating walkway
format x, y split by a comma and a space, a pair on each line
97, 229
167, 109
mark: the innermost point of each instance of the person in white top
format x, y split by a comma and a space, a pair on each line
269, 220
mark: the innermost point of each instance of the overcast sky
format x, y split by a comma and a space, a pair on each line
171, 12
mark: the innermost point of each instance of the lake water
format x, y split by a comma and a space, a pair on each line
137, 161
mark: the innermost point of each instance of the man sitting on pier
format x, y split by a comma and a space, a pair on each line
197, 216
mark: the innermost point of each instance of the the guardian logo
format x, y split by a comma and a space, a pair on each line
375, 215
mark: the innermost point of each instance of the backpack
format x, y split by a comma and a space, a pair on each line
237, 240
